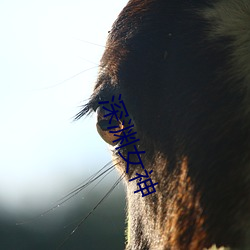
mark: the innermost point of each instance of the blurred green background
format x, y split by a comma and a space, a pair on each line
104, 229
49, 56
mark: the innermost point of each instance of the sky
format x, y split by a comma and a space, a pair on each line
49, 57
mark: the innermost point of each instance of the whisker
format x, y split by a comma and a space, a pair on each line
108, 172
106, 47
85, 41
75, 191
79, 189
89, 61
90, 191
89, 180
93, 209
68, 79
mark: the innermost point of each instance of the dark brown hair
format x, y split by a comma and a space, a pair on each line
177, 73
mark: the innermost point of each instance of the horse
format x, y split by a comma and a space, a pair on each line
182, 68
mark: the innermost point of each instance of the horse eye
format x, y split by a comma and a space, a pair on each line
103, 124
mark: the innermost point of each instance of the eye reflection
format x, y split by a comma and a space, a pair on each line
103, 124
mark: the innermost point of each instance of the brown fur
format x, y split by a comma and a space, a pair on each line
190, 111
